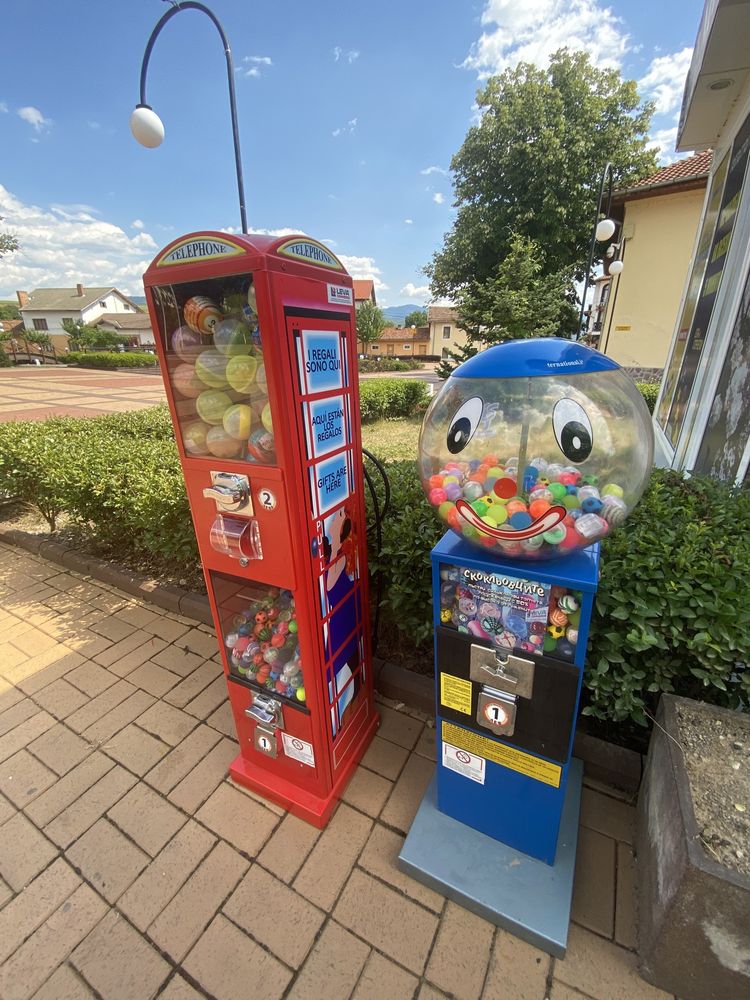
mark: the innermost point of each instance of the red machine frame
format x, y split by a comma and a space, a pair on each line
298, 746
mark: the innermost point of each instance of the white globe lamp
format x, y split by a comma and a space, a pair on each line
616, 267
147, 127
605, 230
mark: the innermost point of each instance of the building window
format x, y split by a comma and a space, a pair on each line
40, 324
102, 304
446, 353
66, 319
446, 333
407, 347
374, 347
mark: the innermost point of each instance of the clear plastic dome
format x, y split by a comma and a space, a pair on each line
583, 443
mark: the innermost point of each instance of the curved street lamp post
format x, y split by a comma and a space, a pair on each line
602, 232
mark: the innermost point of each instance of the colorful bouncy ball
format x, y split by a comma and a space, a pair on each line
553, 420
185, 381
194, 437
211, 368
240, 372
201, 314
186, 343
212, 405
237, 421
233, 337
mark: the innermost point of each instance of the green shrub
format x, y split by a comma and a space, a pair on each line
387, 365
110, 359
649, 391
391, 397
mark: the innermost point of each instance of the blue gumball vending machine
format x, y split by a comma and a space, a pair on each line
531, 453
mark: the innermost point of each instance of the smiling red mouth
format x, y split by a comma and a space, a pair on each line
549, 519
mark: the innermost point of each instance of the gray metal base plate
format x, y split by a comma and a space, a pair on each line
525, 896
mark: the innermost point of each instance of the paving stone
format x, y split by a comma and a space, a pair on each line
367, 791
458, 963
86, 642
13, 716
118, 718
9, 695
118, 962
560, 991
209, 699
238, 819
382, 978
333, 968
393, 924
170, 869
330, 862
625, 919
34, 640
135, 749
427, 992
183, 920
153, 678
90, 678
137, 615
120, 648
594, 887
401, 807
178, 661
18, 738
183, 759
60, 749
169, 724
179, 989
192, 686
266, 908
60, 698
198, 784
93, 710
287, 849
64, 984
147, 818
609, 816
30, 909
23, 778
427, 744
6, 892
113, 629
380, 859
36, 673
228, 964
6, 810
397, 727
24, 852
171, 629
223, 720
142, 653
199, 642
517, 969
602, 969
52, 802
107, 859
39, 956
86, 810
10, 656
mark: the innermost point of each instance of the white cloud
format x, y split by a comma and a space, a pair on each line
253, 71
665, 80
94, 125
336, 54
409, 222
663, 141
63, 244
438, 198
531, 30
351, 56
412, 291
345, 129
253, 64
35, 118
434, 170
364, 267
137, 224
3, 108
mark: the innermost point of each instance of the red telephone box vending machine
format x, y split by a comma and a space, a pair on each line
257, 344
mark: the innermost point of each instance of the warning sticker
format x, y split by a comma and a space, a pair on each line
298, 749
455, 693
463, 762
499, 753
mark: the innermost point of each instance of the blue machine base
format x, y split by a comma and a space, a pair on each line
526, 897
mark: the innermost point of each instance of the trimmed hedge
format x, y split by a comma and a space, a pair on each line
110, 359
386, 398
387, 365
649, 391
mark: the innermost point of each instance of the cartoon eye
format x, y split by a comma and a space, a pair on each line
572, 430
465, 421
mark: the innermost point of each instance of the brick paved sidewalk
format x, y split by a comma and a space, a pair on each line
130, 867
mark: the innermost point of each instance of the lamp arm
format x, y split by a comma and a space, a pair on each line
190, 5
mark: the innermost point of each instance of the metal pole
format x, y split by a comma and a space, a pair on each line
190, 5
607, 172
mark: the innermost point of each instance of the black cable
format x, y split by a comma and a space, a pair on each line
379, 515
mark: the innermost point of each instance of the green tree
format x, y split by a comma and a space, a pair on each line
519, 300
84, 337
416, 318
532, 165
9, 310
370, 322
8, 243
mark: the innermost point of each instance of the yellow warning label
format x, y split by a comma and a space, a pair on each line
455, 693
498, 753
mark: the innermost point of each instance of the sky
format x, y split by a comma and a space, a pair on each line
349, 115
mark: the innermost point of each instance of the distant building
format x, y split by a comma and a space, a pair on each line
400, 342
45, 309
364, 291
633, 314
445, 334
136, 326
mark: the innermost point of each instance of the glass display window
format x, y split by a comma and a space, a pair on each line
214, 357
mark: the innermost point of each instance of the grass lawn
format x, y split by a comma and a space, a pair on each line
393, 439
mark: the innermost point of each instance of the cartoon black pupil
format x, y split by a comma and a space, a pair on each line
575, 441
459, 435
